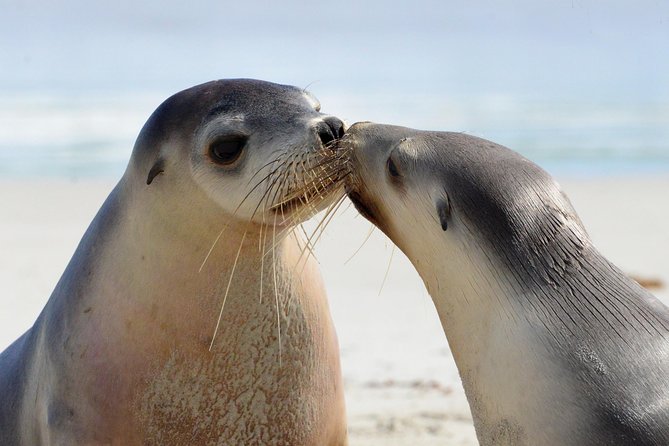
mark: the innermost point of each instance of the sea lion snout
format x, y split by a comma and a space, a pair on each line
330, 129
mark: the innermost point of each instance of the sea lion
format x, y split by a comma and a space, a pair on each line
554, 344
189, 313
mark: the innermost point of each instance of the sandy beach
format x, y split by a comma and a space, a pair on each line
401, 383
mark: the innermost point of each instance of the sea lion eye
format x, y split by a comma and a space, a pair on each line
225, 150
392, 168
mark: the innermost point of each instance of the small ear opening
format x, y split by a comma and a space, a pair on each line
444, 212
156, 170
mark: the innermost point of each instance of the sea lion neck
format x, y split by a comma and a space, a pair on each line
563, 293
191, 264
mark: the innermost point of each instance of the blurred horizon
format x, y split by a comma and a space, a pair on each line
575, 85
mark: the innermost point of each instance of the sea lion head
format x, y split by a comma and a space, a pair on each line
261, 151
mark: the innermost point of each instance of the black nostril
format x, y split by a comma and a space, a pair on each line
336, 126
325, 134
330, 129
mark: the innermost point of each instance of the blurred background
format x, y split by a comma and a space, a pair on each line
579, 86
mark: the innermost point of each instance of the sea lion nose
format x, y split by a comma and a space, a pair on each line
330, 129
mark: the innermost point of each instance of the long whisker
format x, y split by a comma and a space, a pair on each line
325, 221
291, 175
274, 160
369, 234
331, 212
276, 183
306, 241
332, 178
262, 257
303, 198
385, 277
276, 292
299, 214
279, 237
238, 207
211, 249
284, 183
227, 290
256, 186
324, 162
331, 172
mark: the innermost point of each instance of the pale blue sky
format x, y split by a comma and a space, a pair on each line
541, 50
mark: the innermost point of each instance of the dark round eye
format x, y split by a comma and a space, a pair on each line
227, 149
392, 168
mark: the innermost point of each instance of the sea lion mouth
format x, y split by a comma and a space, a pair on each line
318, 187
300, 201
310, 181
361, 207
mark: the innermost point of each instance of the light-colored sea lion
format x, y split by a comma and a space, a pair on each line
145, 342
554, 344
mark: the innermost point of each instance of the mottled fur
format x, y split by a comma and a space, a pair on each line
124, 352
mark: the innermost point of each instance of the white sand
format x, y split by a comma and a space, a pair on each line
402, 385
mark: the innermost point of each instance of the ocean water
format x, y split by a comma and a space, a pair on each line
91, 136
579, 86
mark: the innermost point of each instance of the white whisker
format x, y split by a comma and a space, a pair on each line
385, 277
276, 292
227, 290
211, 249
369, 234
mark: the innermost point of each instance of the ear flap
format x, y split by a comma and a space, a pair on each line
444, 211
156, 170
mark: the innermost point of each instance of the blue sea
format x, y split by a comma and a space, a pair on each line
92, 136
578, 86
